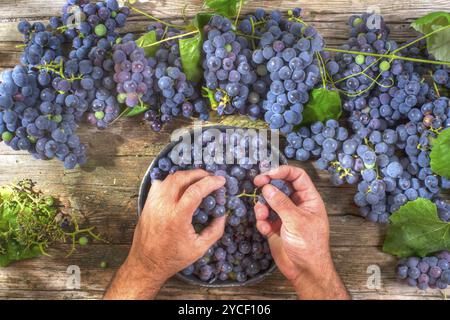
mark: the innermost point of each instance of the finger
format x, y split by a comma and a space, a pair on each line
306, 192
195, 193
261, 180
154, 189
281, 204
156, 185
179, 181
211, 234
264, 227
268, 228
261, 211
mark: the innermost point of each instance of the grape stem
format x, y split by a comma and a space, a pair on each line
321, 68
388, 56
435, 86
183, 12
119, 116
171, 38
73, 235
420, 38
239, 12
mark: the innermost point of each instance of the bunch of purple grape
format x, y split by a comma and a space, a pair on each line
30, 121
287, 57
432, 271
133, 75
42, 101
228, 69
242, 253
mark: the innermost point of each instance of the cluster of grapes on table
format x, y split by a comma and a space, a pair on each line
242, 253
265, 67
66, 74
428, 271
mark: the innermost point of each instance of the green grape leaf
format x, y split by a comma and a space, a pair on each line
438, 44
16, 252
440, 154
145, 41
416, 229
137, 110
191, 54
227, 8
191, 49
323, 105
201, 19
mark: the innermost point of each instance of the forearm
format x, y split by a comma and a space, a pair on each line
322, 284
134, 282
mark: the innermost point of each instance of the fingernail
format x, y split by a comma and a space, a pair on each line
222, 179
269, 191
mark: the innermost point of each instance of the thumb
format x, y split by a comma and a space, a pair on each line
212, 233
281, 204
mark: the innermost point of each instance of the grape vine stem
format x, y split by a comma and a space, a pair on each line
393, 55
171, 38
388, 56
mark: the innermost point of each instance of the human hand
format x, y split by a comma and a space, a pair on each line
299, 240
165, 241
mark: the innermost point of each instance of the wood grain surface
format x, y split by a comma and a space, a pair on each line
105, 190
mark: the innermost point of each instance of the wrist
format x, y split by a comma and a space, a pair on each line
135, 281
320, 282
144, 270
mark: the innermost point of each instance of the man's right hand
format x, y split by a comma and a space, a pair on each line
299, 240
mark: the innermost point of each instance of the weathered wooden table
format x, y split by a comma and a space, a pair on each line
105, 189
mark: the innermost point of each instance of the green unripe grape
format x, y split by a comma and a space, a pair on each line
99, 115
113, 14
7, 136
360, 59
121, 97
100, 30
32, 139
118, 40
357, 22
103, 264
83, 241
385, 66
49, 201
57, 118
228, 47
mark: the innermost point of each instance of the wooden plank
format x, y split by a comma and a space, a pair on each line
35, 279
315, 9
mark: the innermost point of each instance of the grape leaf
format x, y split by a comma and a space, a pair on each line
438, 44
191, 49
227, 8
16, 252
416, 229
137, 110
146, 40
201, 19
440, 154
323, 105
191, 54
